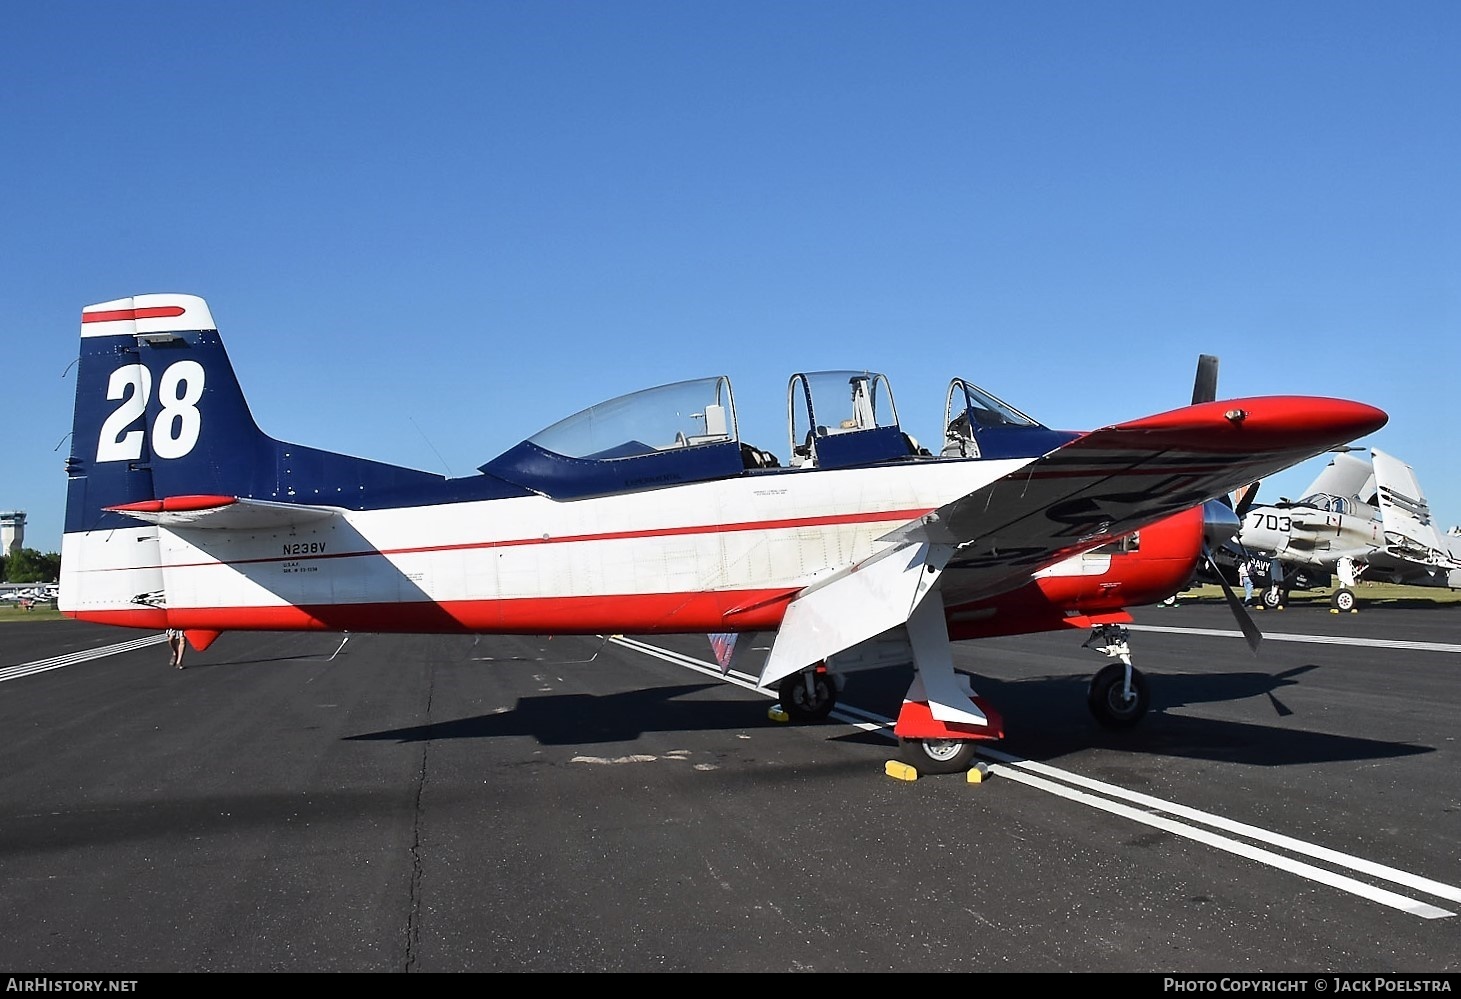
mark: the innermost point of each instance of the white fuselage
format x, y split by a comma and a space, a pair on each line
680, 558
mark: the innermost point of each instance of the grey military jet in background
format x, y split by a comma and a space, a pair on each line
1359, 519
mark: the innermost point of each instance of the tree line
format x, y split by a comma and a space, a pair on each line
27, 565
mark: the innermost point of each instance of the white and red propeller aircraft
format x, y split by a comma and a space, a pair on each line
647, 514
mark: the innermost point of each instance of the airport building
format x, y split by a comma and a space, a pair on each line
12, 531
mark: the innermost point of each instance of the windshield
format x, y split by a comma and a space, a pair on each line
969, 412
981, 409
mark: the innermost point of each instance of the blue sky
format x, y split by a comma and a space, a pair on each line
429, 230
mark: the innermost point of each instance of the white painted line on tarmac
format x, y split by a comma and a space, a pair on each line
1381, 643
1415, 882
1062, 783
72, 658
1334, 880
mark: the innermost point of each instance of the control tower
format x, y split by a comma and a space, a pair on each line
12, 532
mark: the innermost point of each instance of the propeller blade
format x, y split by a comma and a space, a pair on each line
1246, 497
1204, 387
1246, 623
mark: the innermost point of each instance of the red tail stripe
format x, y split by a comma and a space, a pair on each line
154, 312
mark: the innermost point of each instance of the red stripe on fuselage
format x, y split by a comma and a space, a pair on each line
897, 516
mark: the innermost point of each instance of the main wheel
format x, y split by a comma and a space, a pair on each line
1272, 597
805, 705
1109, 702
937, 756
1343, 599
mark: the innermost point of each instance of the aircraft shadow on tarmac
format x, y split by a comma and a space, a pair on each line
571, 718
1045, 718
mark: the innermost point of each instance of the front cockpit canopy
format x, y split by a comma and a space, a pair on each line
980, 425
1330, 503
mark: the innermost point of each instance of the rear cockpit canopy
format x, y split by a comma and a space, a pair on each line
669, 435
682, 414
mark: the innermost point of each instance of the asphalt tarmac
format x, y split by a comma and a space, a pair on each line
527, 804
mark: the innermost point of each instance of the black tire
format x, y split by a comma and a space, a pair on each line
1272, 597
937, 756
1343, 599
1107, 702
802, 705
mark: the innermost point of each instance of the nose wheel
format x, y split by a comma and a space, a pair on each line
1113, 702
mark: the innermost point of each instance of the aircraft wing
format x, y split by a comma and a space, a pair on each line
1345, 476
1410, 533
225, 513
1095, 489
1113, 481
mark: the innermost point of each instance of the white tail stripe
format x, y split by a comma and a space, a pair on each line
146, 314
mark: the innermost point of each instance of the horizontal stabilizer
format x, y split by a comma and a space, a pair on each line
224, 513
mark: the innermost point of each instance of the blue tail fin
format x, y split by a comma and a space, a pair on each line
160, 414
161, 423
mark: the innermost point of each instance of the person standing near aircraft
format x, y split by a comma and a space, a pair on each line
1245, 576
177, 643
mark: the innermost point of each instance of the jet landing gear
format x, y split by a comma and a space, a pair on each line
1117, 696
1342, 601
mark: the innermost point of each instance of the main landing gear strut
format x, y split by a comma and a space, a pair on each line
942, 720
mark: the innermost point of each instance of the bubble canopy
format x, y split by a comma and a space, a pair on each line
681, 414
